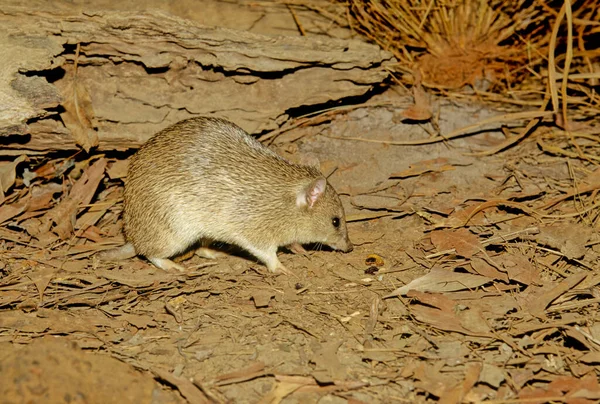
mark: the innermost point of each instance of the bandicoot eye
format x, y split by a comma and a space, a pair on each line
336, 222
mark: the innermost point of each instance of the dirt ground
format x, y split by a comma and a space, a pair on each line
473, 278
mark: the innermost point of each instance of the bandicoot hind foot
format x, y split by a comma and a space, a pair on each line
166, 264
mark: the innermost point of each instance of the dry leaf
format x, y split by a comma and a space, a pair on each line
64, 215
328, 366
78, 116
185, 387
282, 389
7, 212
538, 304
462, 241
457, 393
437, 300
492, 375
42, 195
591, 358
520, 269
262, 298
247, 373
41, 278
118, 169
8, 175
442, 320
432, 380
569, 238
442, 280
421, 109
52, 169
482, 267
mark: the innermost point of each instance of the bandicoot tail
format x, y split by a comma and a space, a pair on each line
117, 254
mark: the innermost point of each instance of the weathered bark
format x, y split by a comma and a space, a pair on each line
113, 79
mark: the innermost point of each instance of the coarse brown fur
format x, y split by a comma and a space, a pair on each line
206, 179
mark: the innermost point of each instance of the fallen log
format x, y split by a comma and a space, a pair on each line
110, 80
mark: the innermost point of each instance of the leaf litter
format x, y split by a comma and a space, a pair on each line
498, 303
471, 282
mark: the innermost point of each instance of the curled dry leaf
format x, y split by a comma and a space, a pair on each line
78, 116
52, 169
8, 175
421, 109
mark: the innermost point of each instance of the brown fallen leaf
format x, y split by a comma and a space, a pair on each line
8, 212
569, 238
538, 304
567, 389
468, 322
484, 268
437, 300
457, 393
138, 320
287, 385
492, 375
64, 214
443, 320
328, 365
430, 379
280, 391
421, 109
8, 175
262, 298
41, 278
442, 280
187, 389
465, 243
118, 169
591, 358
256, 369
78, 116
51, 169
42, 195
92, 233
459, 217
519, 269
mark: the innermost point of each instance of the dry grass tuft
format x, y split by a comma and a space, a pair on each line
511, 51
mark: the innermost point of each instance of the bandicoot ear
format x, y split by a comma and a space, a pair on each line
311, 193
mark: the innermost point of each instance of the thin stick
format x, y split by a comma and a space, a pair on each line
458, 132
